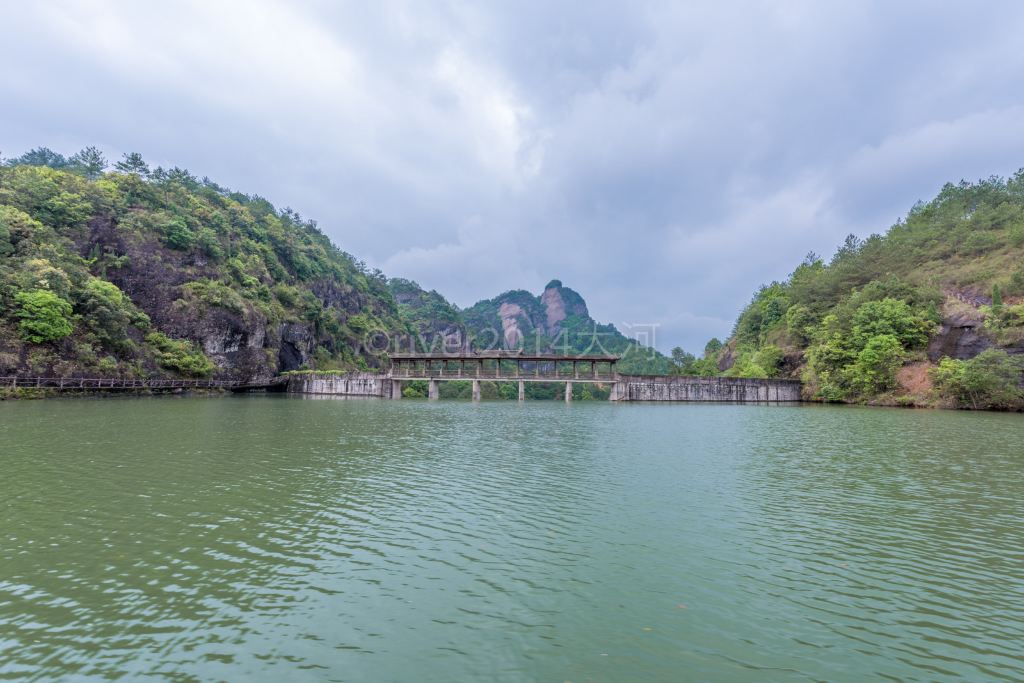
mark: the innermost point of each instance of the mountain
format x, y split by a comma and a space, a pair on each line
140, 273
433, 322
930, 313
555, 321
137, 273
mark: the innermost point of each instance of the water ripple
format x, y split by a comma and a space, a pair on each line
280, 539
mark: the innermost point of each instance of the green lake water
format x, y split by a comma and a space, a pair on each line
286, 539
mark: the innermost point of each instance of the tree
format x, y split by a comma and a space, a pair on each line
90, 162
712, 348
992, 379
682, 361
799, 321
876, 365
133, 164
178, 234
40, 156
890, 317
44, 316
997, 299
769, 358
989, 380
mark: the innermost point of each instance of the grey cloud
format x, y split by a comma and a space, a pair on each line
663, 159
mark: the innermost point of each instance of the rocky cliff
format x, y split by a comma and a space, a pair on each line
129, 274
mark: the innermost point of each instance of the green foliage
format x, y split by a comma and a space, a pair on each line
177, 234
231, 250
989, 380
108, 313
684, 363
682, 360
133, 163
891, 317
769, 359
1015, 288
40, 156
875, 368
214, 293
712, 348
44, 316
179, 355
800, 323
90, 162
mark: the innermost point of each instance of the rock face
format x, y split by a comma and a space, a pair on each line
518, 315
560, 302
240, 340
960, 336
509, 314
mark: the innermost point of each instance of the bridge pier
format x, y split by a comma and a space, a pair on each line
433, 390
568, 392
522, 390
396, 389
476, 390
619, 392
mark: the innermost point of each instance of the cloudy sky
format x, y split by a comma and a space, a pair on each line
664, 159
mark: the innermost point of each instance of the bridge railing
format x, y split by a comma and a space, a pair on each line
117, 383
509, 375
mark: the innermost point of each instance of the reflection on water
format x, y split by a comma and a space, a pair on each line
269, 538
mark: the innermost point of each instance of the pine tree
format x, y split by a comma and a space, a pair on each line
133, 164
90, 162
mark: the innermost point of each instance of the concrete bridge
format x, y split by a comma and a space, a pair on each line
513, 366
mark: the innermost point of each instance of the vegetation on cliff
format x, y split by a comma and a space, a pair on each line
932, 312
137, 272
556, 321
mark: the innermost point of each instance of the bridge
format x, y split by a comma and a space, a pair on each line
490, 366
503, 366
522, 367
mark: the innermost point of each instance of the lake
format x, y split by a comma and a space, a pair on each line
271, 538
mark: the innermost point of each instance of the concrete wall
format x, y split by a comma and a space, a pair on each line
628, 388
656, 388
350, 384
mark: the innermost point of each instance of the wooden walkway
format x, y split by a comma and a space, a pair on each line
115, 384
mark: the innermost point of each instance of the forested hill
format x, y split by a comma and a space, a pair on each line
932, 312
555, 321
137, 272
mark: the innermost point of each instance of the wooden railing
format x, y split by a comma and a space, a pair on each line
65, 383
509, 375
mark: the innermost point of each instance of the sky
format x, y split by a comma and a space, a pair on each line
663, 159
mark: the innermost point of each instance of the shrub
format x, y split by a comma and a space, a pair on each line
989, 380
1017, 281
769, 358
179, 355
215, 293
178, 235
44, 316
980, 242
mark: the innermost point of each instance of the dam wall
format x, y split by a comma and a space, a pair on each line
624, 387
348, 384
726, 389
